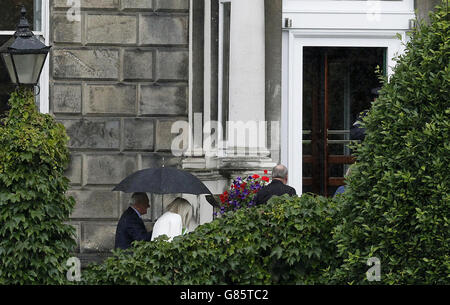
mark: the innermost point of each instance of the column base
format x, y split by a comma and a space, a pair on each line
229, 163
245, 163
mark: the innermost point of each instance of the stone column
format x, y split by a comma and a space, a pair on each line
246, 129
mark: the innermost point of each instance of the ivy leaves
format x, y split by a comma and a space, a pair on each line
34, 241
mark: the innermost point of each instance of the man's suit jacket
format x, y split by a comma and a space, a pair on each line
356, 131
130, 228
275, 188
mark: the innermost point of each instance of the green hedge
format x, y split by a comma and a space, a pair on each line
34, 241
397, 206
283, 242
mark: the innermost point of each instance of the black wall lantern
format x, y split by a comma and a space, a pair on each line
24, 54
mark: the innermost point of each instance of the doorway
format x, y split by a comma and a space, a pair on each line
337, 84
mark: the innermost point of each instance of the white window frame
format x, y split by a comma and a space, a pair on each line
44, 35
292, 112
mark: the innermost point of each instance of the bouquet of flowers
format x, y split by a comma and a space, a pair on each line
242, 193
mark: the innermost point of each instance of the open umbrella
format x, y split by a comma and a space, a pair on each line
162, 180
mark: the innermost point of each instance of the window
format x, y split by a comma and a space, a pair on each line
337, 84
215, 70
224, 61
37, 15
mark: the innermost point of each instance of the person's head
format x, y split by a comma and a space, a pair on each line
374, 93
280, 172
140, 202
348, 172
183, 208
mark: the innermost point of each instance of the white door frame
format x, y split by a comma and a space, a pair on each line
320, 6
44, 82
294, 41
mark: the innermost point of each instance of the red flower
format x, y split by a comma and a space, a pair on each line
255, 176
265, 178
265, 171
223, 197
243, 185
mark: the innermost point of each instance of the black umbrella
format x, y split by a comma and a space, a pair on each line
163, 180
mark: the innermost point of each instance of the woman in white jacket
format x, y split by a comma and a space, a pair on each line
175, 220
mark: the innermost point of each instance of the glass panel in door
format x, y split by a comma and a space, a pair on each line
337, 84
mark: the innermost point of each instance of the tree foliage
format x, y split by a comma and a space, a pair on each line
34, 240
397, 204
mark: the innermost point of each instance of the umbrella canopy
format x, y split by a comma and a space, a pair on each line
163, 180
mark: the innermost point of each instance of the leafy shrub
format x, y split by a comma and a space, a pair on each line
34, 241
397, 206
242, 193
285, 241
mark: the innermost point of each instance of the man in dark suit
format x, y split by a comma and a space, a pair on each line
277, 187
131, 227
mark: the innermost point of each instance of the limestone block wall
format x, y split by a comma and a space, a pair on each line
423, 7
119, 78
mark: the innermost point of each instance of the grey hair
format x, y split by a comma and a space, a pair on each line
349, 171
183, 208
279, 171
139, 198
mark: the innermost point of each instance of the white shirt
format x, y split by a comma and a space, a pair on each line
137, 212
169, 224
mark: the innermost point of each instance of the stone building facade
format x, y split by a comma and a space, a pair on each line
118, 79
